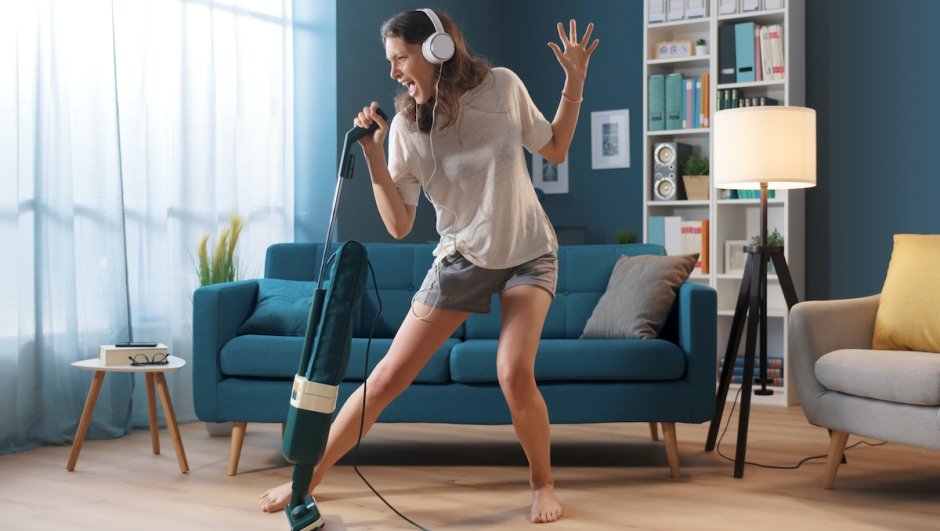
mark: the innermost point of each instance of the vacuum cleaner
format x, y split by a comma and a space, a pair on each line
325, 355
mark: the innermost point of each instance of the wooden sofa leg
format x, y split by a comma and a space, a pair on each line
672, 448
235, 451
836, 449
283, 429
654, 432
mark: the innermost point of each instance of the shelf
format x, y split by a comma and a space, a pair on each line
695, 24
679, 203
738, 277
672, 132
674, 60
758, 17
770, 313
751, 84
750, 202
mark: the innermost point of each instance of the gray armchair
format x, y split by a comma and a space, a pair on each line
845, 386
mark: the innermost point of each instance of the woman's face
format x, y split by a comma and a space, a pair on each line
410, 68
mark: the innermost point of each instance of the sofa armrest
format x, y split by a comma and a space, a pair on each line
697, 312
218, 311
819, 327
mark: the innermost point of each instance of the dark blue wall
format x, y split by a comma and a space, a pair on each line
599, 200
872, 74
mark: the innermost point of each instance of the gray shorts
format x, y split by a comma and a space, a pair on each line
453, 283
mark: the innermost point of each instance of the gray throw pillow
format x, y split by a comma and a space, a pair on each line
282, 310
639, 297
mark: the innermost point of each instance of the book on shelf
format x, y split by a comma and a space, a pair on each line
771, 373
773, 362
657, 103
734, 98
746, 194
774, 382
678, 236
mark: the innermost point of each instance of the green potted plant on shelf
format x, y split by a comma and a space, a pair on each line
626, 236
701, 47
774, 239
695, 177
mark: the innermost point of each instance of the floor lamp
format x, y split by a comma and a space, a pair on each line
766, 148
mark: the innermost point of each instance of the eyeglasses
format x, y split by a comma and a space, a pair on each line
142, 359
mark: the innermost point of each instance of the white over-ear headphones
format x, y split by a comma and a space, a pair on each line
439, 47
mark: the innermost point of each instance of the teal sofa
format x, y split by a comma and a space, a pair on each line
247, 378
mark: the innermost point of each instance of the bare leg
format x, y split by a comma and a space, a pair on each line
524, 309
416, 341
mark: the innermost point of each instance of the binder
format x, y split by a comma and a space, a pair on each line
655, 230
758, 65
726, 55
657, 11
657, 103
674, 101
676, 10
744, 52
672, 229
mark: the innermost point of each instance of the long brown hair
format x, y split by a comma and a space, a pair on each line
457, 75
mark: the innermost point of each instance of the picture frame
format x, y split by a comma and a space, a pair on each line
610, 139
670, 49
735, 257
551, 178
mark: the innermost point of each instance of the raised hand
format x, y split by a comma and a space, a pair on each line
576, 55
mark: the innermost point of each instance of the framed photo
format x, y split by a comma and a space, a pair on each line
610, 139
550, 177
669, 49
735, 257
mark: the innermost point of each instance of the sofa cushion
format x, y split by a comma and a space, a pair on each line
907, 317
897, 376
282, 310
638, 298
575, 360
279, 357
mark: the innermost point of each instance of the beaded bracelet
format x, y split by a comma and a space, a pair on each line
566, 98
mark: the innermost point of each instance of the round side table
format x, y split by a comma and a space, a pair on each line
153, 375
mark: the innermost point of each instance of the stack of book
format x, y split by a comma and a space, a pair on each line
748, 52
745, 194
678, 236
774, 369
678, 102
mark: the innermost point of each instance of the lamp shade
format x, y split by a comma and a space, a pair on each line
773, 145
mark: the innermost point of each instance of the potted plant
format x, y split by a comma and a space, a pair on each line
774, 239
701, 48
695, 177
626, 236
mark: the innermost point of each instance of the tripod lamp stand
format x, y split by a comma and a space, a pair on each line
766, 148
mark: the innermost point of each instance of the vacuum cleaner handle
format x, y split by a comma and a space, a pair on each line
352, 136
357, 132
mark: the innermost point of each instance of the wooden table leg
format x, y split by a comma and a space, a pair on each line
152, 409
171, 421
86, 419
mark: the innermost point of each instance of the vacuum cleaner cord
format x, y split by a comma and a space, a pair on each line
362, 419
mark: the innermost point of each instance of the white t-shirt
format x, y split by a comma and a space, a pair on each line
486, 205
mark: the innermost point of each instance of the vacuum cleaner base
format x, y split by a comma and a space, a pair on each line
305, 517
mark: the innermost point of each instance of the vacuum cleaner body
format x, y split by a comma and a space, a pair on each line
323, 364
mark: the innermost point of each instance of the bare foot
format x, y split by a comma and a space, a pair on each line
277, 498
545, 506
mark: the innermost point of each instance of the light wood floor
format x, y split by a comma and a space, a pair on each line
608, 476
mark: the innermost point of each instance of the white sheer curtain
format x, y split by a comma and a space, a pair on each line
128, 129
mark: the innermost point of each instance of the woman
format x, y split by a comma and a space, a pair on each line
459, 134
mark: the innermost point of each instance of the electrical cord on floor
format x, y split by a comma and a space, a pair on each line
362, 418
781, 467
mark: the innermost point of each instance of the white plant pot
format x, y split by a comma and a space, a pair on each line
701, 50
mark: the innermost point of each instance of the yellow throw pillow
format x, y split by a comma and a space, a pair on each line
908, 315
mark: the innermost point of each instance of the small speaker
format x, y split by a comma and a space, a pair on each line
667, 173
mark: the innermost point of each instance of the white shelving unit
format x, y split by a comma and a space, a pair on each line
733, 219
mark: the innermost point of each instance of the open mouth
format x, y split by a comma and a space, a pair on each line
412, 88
